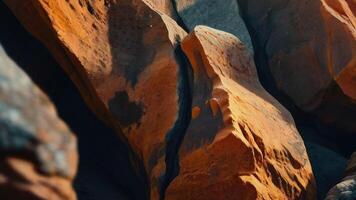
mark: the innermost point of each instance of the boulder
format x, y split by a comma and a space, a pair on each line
241, 143
222, 15
38, 151
309, 49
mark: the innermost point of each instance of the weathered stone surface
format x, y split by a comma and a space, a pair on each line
37, 150
122, 57
222, 15
308, 44
307, 49
241, 143
346, 189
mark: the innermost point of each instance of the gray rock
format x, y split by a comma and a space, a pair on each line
222, 15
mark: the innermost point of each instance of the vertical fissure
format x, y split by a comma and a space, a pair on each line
176, 135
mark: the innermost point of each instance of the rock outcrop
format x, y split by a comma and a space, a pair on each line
230, 149
310, 51
346, 189
122, 56
126, 59
37, 150
222, 15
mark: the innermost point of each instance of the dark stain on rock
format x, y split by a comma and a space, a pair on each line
128, 28
125, 111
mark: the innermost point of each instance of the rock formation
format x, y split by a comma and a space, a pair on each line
229, 150
310, 51
38, 151
308, 45
346, 189
132, 77
189, 109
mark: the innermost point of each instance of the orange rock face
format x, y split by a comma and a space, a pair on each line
122, 57
241, 143
38, 151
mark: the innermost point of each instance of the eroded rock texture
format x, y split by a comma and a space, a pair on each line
122, 56
346, 189
239, 142
310, 51
37, 150
231, 150
222, 15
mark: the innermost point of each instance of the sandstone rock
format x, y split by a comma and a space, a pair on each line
222, 15
122, 56
346, 189
38, 151
308, 44
242, 144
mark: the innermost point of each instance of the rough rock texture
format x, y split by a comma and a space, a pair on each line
222, 15
346, 189
37, 150
231, 150
310, 50
130, 67
125, 58
104, 170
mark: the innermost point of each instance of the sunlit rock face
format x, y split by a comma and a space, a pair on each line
230, 148
38, 151
122, 56
309, 49
346, 189
191, 108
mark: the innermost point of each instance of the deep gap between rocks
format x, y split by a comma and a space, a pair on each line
176, 135
105, 170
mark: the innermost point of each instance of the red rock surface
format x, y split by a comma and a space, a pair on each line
241, 143
124, 57
38, 158
121, 55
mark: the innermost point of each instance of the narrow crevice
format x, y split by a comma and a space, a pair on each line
175, 137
